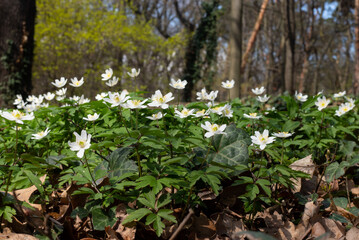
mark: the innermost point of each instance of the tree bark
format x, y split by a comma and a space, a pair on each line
253, 37
235, 46
16, 47
290, 46
356, 74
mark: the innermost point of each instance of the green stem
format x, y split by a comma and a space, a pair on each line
138, 162
164, 127
136, 119
282, 151
92, 177
15, 161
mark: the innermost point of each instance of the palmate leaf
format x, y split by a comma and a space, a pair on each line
232, 148
118, 163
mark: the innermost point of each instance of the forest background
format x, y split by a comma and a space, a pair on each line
284, 45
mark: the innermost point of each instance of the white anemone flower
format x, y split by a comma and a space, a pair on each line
213, 129
112, 82
351, 103
81, 144
158, 100
229, 84
156, 116
107, 75
184, 113
202, 95
83, 100
101, 96
17, 101
227, 111
178, 84
217, 110
61, 92
258, 91
262, 139
49, 96
76, 83
40, 134
263, 99
30, 98
282, 134
59, 83
212, 96
92, 117
301, 97
201, 113
339, 94
17, 116
116, 99
322, 103
343, 108
134, 73
252, 116
135, 104
60, 98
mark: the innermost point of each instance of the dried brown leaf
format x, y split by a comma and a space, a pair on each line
15, 236
352, 234
318, 230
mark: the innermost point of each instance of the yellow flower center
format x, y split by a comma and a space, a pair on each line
136, 102
214, 128
82, 144
323, 104
17, 114
253, 114
117, 99
41, 133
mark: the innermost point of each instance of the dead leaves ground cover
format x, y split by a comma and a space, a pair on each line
314, 209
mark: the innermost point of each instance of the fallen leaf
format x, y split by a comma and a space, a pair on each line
352, 234
287, 232
333, 227
15, 236
305, 165
310, 214
203, 227
24, 195
111, 234
318, 230
355, 191
227, 225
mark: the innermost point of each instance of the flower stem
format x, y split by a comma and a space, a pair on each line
88, 168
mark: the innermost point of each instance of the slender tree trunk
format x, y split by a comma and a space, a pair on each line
235, 46
253, 37
290, 46
16, 47
356, 74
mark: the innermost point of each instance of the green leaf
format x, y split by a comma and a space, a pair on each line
341, 202
149, 200
290, 126
158, 225
35, 180
334, 171
7, 212
232, 148
102, 219
292, 106
118, 163
137, 215
167, 214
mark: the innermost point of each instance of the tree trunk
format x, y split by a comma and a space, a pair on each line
289, 46
253, 37
356, 74
235, 45
16, 47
